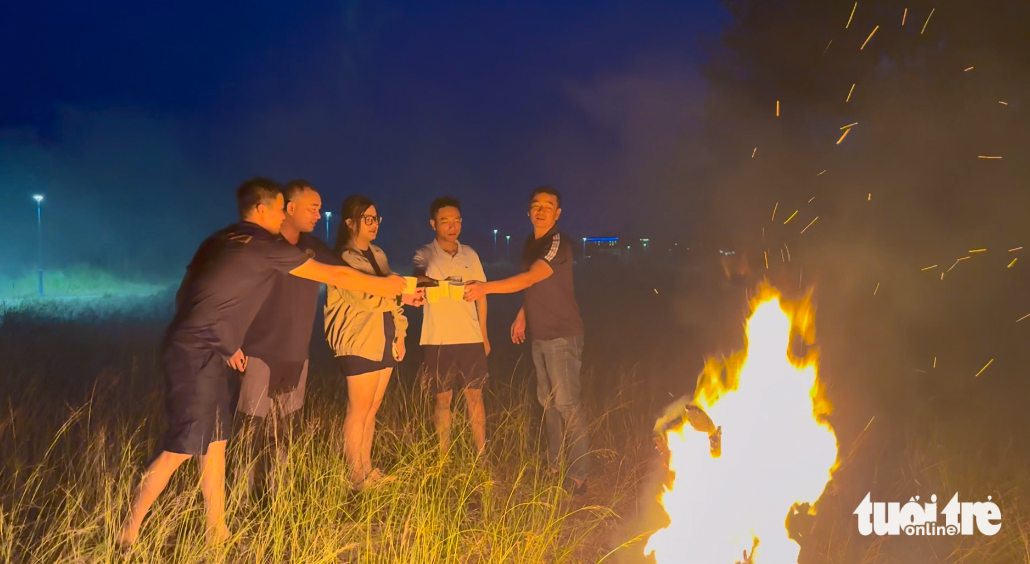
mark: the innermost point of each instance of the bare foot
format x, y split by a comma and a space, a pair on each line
358, 482
217, 535
126, 537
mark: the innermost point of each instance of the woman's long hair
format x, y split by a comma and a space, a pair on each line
353, 208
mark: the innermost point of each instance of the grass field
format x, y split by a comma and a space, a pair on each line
82, 412
76, 280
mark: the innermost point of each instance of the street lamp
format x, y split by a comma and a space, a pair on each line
584, 247
495, 243
328, 216
507, 246
39, 231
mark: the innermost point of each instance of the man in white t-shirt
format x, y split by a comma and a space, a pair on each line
454, 337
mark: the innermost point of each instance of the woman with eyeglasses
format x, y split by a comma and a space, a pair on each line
366, 333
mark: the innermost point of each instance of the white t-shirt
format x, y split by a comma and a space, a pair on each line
450, 322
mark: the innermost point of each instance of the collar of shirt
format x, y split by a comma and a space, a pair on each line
550, 233
439, 249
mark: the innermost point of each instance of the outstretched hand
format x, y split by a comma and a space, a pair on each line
393, 285
418, 299
474, 290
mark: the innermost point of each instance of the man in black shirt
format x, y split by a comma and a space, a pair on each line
279, 338
550, 310
225, 285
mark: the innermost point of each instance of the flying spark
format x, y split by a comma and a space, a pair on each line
927, 21
827, 47
984, 368
952, 266
935, 362
963, 258
791, 217
846, 131
870, 198
969, 69
753, 152
1003, 103
868, 38
810, 199
868, 424
1022, 318
876, 289
848, 99
903, 16
788, 251
809, 225
852, 15
821, 173
774, 211
942, 276
781, 256
766, 254
1012, 263
930, 267
978, 250
985, 157
777, 108
1016, 249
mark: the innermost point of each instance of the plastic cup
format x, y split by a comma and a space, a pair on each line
445, 288
412, 282
457, 292
433, 294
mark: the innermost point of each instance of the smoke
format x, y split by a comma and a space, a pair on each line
121, 193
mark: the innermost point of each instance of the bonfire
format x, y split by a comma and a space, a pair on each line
752, 448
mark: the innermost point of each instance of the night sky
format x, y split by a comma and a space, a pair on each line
138, 119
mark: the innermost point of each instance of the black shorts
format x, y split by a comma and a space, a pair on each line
451, 367
197, 399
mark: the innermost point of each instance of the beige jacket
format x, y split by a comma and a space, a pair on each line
354, 320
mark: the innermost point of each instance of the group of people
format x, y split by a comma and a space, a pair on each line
248, 301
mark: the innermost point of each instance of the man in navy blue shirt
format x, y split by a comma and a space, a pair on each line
279, 339
551, 312
225, 285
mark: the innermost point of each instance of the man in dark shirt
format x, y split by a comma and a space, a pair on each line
555, 327
225, 285
279, 339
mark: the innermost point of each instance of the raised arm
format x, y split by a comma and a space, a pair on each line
538, 272
421, 263
350, 279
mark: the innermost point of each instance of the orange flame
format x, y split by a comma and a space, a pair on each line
777, 449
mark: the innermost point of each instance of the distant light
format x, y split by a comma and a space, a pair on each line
38, 198
328, 215
495, 232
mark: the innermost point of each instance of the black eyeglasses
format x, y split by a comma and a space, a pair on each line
370, 219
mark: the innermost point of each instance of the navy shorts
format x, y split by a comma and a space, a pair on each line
197, 399
454, 367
